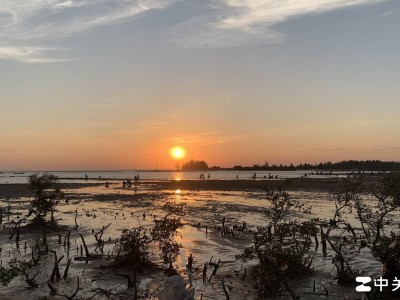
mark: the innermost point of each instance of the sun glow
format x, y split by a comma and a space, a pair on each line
178, 153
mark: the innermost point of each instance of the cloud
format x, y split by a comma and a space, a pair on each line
28, 54
238, 22
207, 139
30, 29
26, 25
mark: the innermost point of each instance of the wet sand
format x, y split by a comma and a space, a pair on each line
203, 202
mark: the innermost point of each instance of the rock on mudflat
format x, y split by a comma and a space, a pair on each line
175, 289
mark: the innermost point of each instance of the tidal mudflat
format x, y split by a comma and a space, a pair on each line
218, 219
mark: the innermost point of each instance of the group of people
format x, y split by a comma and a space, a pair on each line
128, 182
270, 176
202, 177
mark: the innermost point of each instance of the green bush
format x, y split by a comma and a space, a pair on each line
46, 194
15, 267
281, 248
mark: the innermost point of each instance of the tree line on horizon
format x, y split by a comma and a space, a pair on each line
354, 165
346, 165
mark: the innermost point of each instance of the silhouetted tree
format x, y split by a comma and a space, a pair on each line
195, 165
46, 194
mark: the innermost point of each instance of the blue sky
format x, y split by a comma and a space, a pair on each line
115, 84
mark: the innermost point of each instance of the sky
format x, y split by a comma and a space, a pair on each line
115, 84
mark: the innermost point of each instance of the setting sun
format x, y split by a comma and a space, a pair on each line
178, 153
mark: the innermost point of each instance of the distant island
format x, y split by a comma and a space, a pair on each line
347, 165
195, 165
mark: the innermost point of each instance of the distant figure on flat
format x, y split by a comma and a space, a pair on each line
254, 176
86, 177
208, 176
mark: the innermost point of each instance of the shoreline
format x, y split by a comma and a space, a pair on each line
18, 190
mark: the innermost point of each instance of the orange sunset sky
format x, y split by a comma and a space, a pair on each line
116, 84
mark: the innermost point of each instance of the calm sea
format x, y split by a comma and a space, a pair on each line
66, 176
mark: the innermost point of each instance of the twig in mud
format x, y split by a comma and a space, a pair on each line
67, 268
84, 245
131, 284
54, 292
204, 273
244, 274
292, 294
215, 270
44, 240
17, 229
190, 262
316, 242
34, 260
100, 242
105, 293
31, 281
76, 215
67, 239
56, 271
225, 291
99, 234
326, 291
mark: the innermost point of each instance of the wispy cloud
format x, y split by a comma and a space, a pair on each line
26, 25
238, 22
206, 139
30, 29
29, 54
